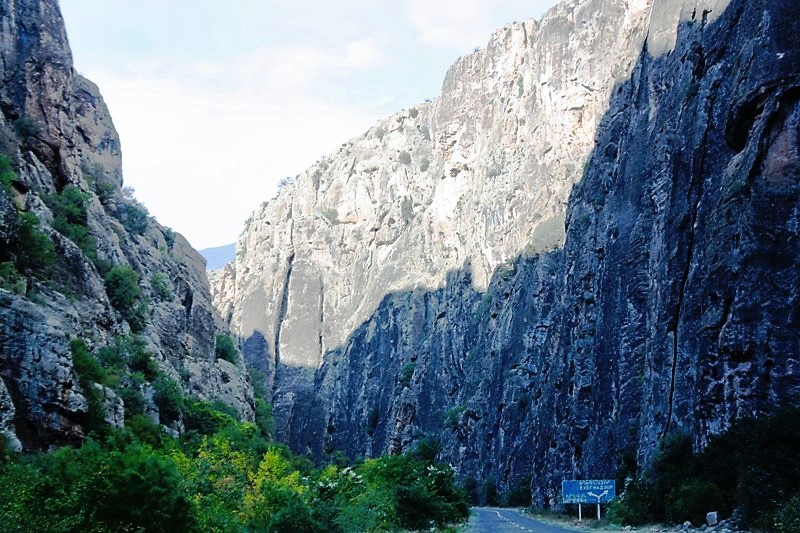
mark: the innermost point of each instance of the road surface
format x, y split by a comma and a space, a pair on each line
497, 520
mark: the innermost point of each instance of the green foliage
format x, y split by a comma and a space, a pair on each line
168, 397
520, 493
259, 381
264, 419
452, 416
7, 174
26, 127
89, 372
134, 216
787, 517
159, 283
169, 237
95, 175
35, 251
489, 495
754, 467
225, 349
87, 366
425, 164
230, 478
331, 215
406, 373
70, 218
413, 112
404, 158
122, 287
10, 279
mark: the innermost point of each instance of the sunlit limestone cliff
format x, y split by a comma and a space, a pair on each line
589, 240
82, 267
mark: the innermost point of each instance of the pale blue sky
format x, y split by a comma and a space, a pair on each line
216, 101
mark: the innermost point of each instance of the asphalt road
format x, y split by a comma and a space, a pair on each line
496, 520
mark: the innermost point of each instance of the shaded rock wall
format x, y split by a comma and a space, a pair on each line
672, 304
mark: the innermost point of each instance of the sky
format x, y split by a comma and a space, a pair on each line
216, 101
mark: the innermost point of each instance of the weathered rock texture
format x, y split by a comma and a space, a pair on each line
470, 180
672, 304
57, 131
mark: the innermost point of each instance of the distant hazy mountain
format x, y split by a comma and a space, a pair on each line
219, 256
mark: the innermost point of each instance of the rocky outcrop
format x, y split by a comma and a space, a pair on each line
470, 180
671, 305
58, 135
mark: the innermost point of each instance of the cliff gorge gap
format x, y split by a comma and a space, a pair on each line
670, 306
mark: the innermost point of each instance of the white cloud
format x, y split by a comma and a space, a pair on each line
456, 23
465, 24
205, 143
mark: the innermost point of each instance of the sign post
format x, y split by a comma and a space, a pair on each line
581, 491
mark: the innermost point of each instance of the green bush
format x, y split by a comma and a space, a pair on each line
519, 495
7, 175
787, 517
168, 397
225, 349
134, 217
692, 500
754, 467
10, 279
264, 419
70, 217
159, 283
89, 372
26, 127
122, 287
87, 366
35, 251
406, 373
404, 158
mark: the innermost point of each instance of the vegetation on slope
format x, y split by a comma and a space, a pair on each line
221, 475
753, 468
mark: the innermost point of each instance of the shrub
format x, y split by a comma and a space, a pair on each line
7, 175
413, 112
225, 349
406, 373
35, 251
452, 416
122, 287
168, 397
134, 217
10, 279
787, 517
26, 127
264, 419
692, 500
70, 218
89, 372
159, 283
404, 158
86, 365
425, 164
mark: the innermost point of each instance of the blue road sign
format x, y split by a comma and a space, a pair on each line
588, 491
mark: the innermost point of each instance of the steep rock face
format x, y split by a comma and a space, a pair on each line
671, 307
672, 304
470, 180
57, 132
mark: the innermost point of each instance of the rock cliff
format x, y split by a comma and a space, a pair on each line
67, 223
419, 281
